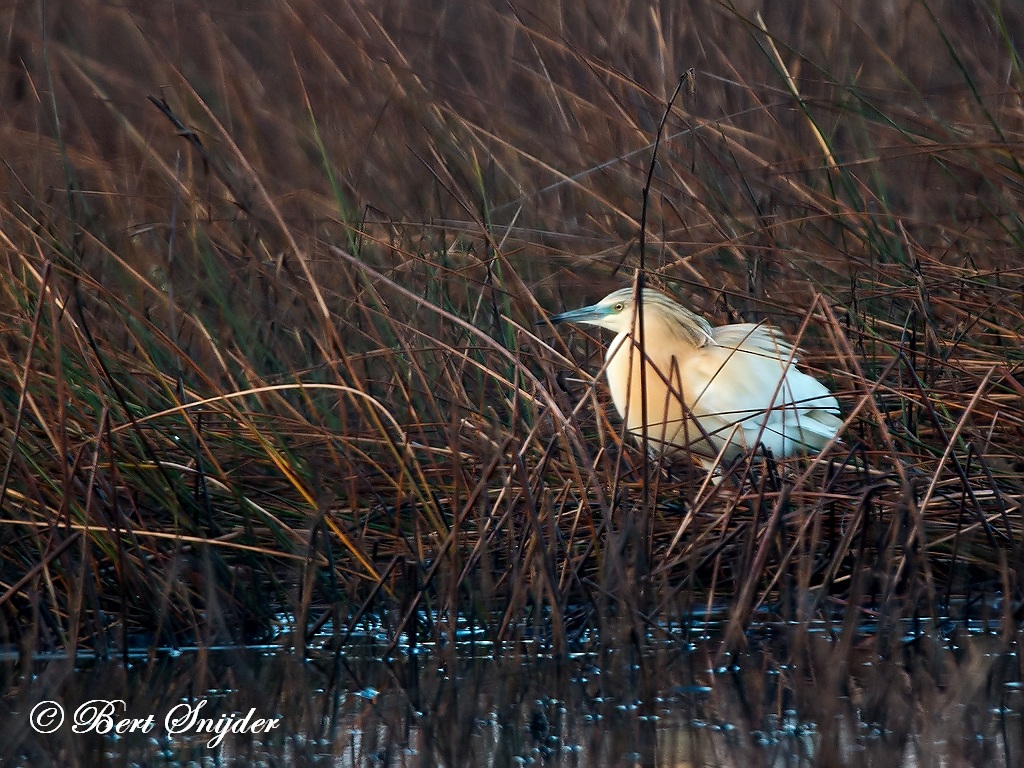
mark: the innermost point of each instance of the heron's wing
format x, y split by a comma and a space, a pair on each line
750, 385
767, 351
757, 338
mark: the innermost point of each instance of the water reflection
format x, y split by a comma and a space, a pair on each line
806, 703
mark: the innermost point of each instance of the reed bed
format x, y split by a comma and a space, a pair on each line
276, 278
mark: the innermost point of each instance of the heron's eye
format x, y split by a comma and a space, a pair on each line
618, 307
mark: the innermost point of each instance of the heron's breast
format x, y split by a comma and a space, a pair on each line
663, 382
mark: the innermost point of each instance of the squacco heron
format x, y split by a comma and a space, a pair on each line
713, 392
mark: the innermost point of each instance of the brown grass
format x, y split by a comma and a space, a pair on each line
285, 360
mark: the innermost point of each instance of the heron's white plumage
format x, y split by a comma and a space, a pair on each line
711, 391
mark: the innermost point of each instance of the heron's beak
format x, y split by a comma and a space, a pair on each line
592, 314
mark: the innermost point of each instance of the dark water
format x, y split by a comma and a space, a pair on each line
797, 698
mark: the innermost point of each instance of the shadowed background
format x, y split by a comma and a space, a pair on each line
284, 360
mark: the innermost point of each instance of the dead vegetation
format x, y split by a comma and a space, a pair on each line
282, 356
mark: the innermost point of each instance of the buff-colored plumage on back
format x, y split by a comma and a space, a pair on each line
710, 391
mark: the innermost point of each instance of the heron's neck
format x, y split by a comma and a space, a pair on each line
662, 338
669, 330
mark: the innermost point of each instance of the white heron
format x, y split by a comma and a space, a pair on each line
715, 392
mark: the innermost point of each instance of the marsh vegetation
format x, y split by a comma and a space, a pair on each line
276, 277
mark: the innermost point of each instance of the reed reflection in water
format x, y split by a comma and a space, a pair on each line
937, 702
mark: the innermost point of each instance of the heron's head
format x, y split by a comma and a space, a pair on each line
616, 312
